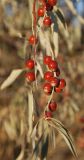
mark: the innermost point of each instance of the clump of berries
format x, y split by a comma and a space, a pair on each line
51, 77
47, 21
30, 75
44, 8
42, 12
52, 81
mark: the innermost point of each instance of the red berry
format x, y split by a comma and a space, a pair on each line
53, 65
82, 119
47, 88
47, 75
30, 64
57, 72
52, 2
62, 83
32, 40
54, 81
48, 114
41, 11
57, 89
47, 21
80, 141
30, 76
48, 7
52, 106
47, 59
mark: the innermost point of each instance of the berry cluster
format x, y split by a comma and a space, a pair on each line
52, 81
44, 8
51, 76
46, 5
30, 76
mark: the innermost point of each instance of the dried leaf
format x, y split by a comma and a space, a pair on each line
48, 47
21, 155
35, 151
54, 38
10, 130
39, 68
64, 132
41, 130
52, 138
44, 149
74, 106
30, 112
61, 17
55, 42
41, 37
12, 77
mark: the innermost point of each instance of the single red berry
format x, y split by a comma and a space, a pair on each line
41, 11
47, 88
57, 72
54, 81
47, 21
62, 83
32, 40
30, 76
47, 75
80, 141
52, 106
82, 119
48, 7
53, 65
48, 114
52, 2
30, 64
47, 59
57, 89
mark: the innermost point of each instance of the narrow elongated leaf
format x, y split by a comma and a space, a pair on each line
66, 135
35, 151
48, 47
42, 38
52, 138
44, 149
74, 106
21, 155
61, 17
55, 42
39, 68
34, 143
30, 112
12, 77
41, 130
54, 28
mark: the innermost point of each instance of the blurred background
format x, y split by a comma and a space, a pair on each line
15, 20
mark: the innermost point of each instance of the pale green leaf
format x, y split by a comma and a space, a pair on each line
12, 77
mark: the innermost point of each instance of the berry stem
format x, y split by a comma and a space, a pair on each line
50, 98
34, 19
34, 16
